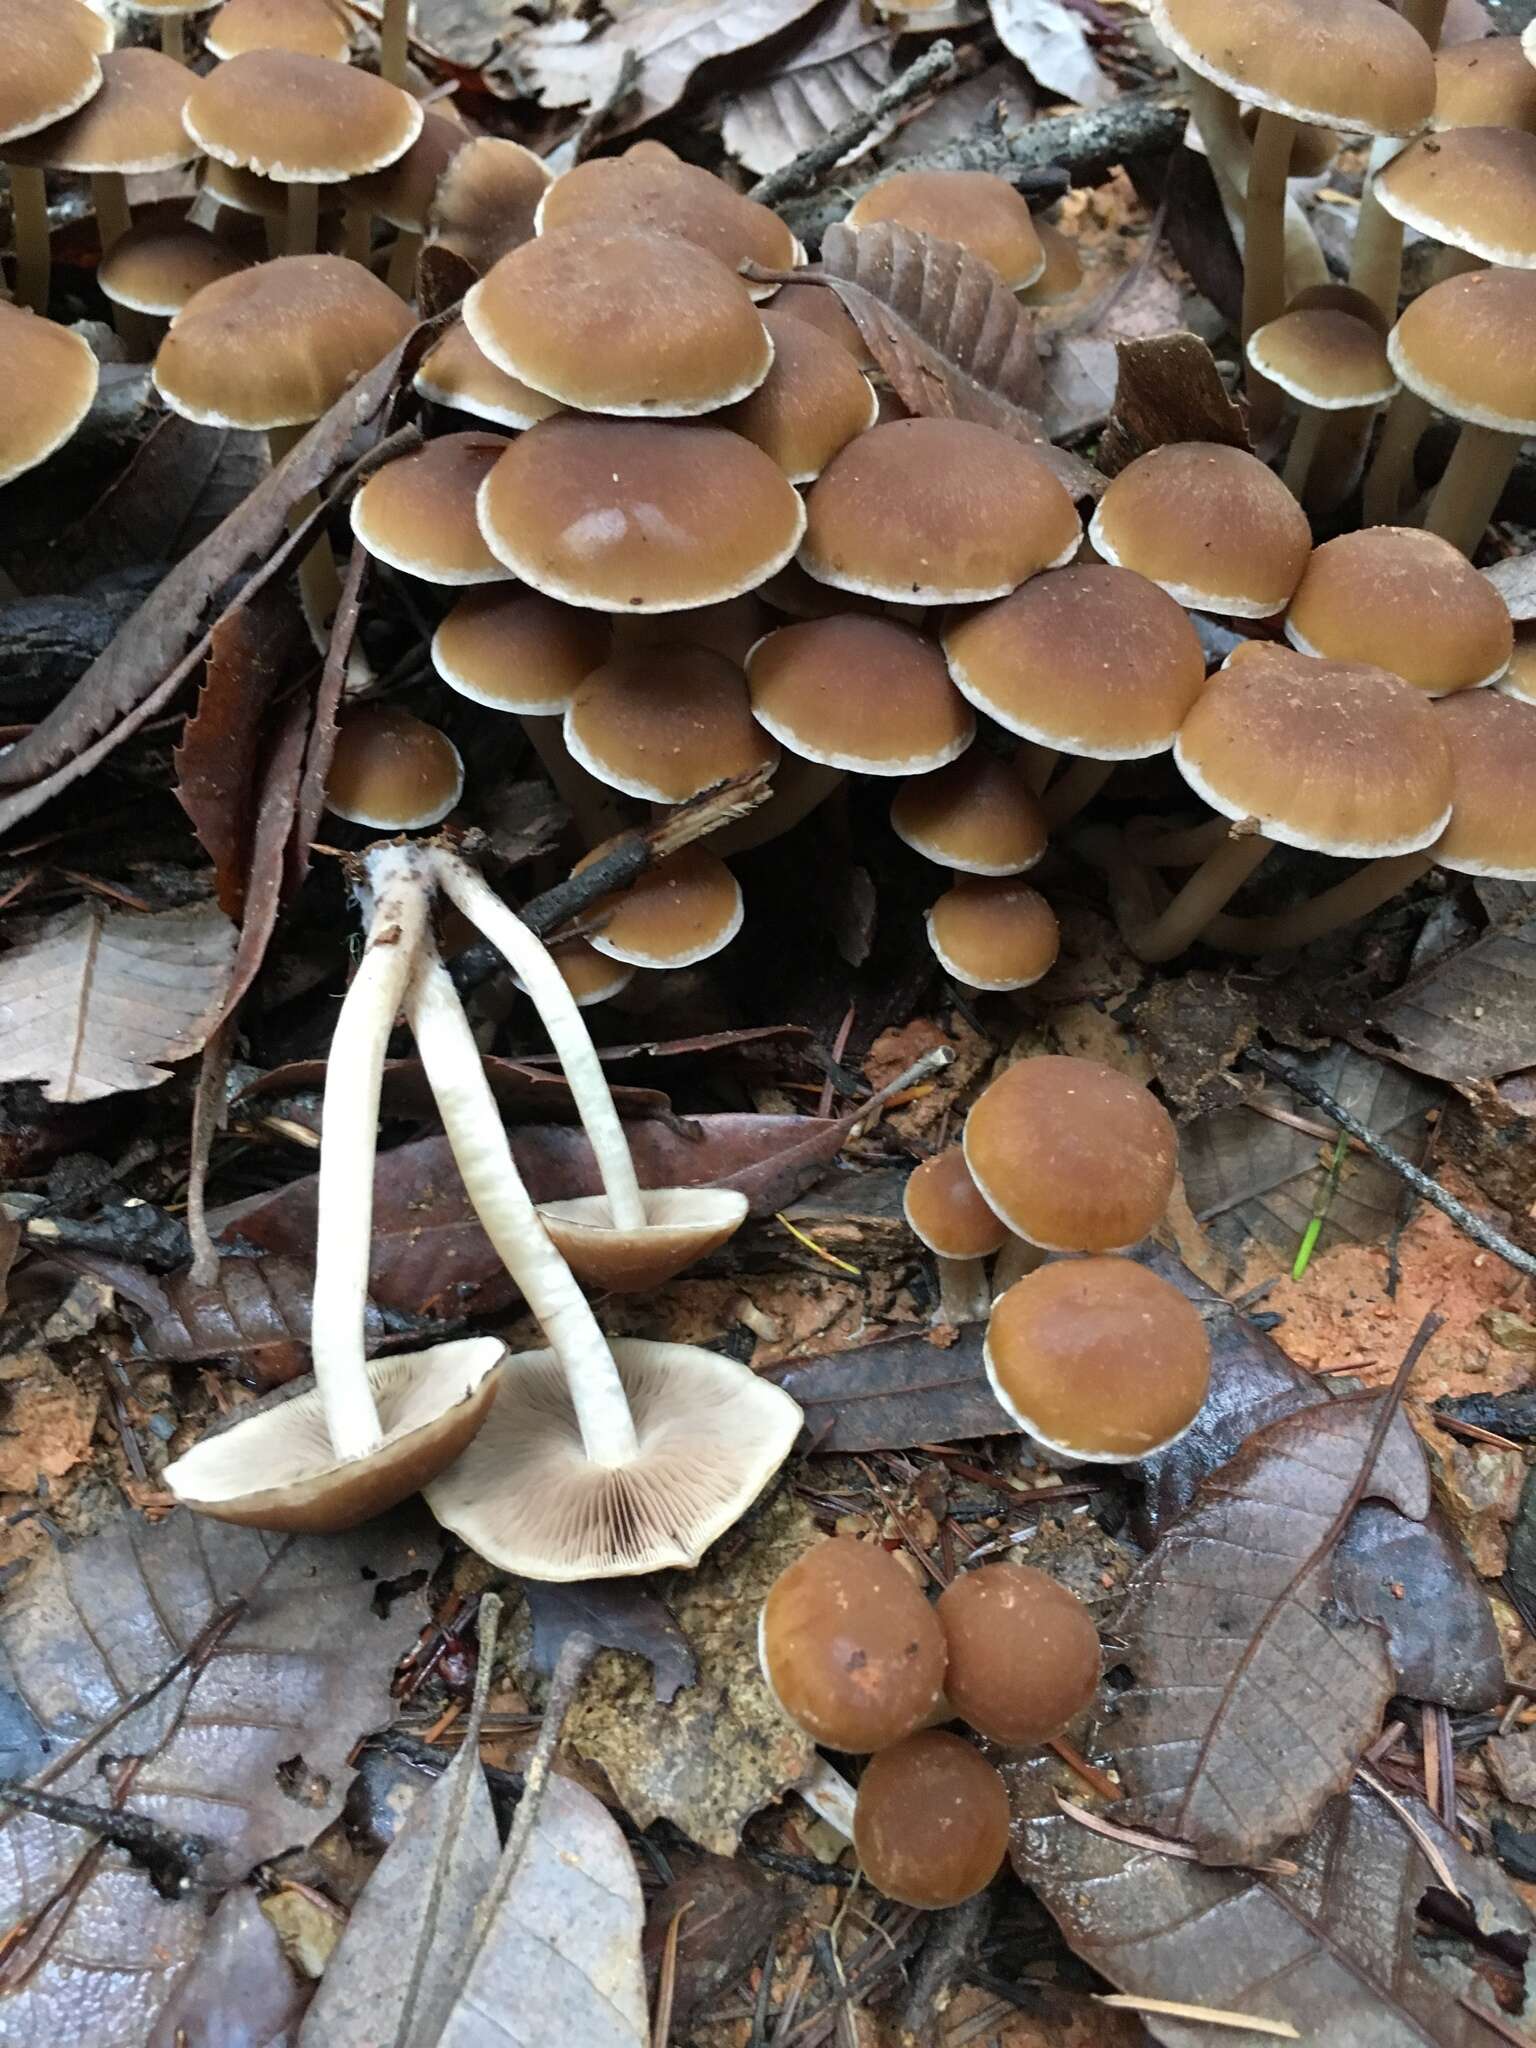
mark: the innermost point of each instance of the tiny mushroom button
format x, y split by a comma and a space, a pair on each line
945, 1211
931, 1821
994, 932
392, 771
1023, 1652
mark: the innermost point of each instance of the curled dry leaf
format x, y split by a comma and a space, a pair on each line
1471, 1015
1050, 39
92, 999
898, 1392
833, 72
1167, 389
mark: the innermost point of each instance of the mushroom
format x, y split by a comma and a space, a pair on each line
1488, 83
814, 306
590, 978
977, 815
1313, 149
1330, 361
1023, 1653
1098, 1360
665, 722
391, 771
172, 16
315, 28
163, 261
402, 194
486, 200
993, 932
977, 209
418, 512
682, 910
456, 372
1404, 601
858, 694
945, 1211
813, 401
931, 1822
1062, 276
57, 371
54, 50
850, 1649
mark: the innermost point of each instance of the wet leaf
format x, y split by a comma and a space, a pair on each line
522, 1091
277, 793
729, 1913
241, 1992
93, 999
618, 1614
1050, 40
895, 1393
834, 71
1471, 1016
183, 480
1168, 389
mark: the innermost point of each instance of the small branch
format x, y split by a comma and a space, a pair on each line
170, 1859
936, 66
597, 117
210, 1107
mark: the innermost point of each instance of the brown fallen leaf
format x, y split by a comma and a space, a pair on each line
276, 800
831, 71
183, 479
1471, 1015
526, 1093
1168, 389
895, 1393
92, 999
618, 1614
240, 1989
1050, 39
726, 1912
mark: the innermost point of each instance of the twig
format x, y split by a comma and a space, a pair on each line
1320, 1208
1209, 2015
953, 1940
170, 1859
598, 116
1464, 1218
803, 172
1420, 1834
209, 1110
1134, 1838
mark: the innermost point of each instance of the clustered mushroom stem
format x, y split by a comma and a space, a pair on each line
1038, 763
1468, 494
1302, 452
1264, 246
964, 1295
401, 277
354, 1074
1387, 480
29, 230
1376, 260
303, 219
1155, 848
1345, 903
1209, 889
1017, 1257
173, 36
394, 37
525, 953
474, 1130
596, 811
1073, 790
110, 197
1229, 154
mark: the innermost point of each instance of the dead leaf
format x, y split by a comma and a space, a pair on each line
618, 1614
895, 1393
1515, 581
184, 479
1168, 389
726, 1913
833, 71
1050, 40
526, 1093
276, 803
91, 999
1080, 362
48, 1420
240, 1992
1471, 1015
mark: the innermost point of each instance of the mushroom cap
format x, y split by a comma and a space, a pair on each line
590, 978
819, 306
1347, 64
1062, 273
1331, 756
639, 515
245, 192
1072, 1155
682, 1226
54, 370
977, 815
813, 401
418, 512
391, 771
162, 261
525, 1496
670, 198
54, 47
980, 211
513, 650
858, 693
403, 192
665, 722
1091, 660
315, 28
947, 1211
1210, 524
1486, 84
851, 1650
487, 199
1492, 741
301, 120
799, 596
621, 321
993, 932
931, 1821
276, 345
1324, 357
1098, 1359
732, 628
1405, 601
682, 910
937, 511
1337, 297
1473, 188
1519, 679
456, 372
1023, 1650
1466, 346
133, 123
277, 1470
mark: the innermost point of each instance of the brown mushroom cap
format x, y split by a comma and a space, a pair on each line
1485, 84
1072, 1155
315, 28
850, 1648
682, 1226
818, 306
1465, 345
665, 722
675, 199
639, 515
812, 402
1492, 742
52, 66
1473, 188
1350, 65
732, 628
931, 1821
1405, 601
980, 211
1098, 1359
858, 693
682, 910
456, 372
301, 120
1210, 524
278, 344
1063, 271
994, 932
937, 511
590, 978
978, 815
52, 375
1324, 357
403, 192
945, 1209
244, 192
418, 513
163, 261
1023, 1650
1334, 757
513, 650
392, 771
1091, 660
133, 123
487, 199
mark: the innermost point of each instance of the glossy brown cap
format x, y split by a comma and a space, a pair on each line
278, 344
639, 515
1063, 271
812, 402
300, 120
931, 1821
1091, 660
819, 306
1473, 188
1353, 64
1330, 756
1324, 358
1490, 83
163, 261
978, 816
487, 199
392, 772
315, 28
858, 693
52, 375
513, 650
1023, 1652
404, 191
852, 1651
682, 910
665, 722
456, 372
1072, 1155
590, 978
672, 199
732, 628
1098, 1359
133, 124
936, 512
418, 513
945, 1209
980, 211
683, 1225
1465, 345
1210, 524
1492, 741
52, 49
1405, 601
994, 932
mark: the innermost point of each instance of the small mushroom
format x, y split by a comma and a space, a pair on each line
858, 694
455, 372
486, 200
54, 50
931, 1821
1330, 361
315, 28
392, 771
402, 195
163, 261
977, 815
994, 932
977, 209
665, 722
418, 512
54, 369
945, 1210
1487, 83
1023, 1653
1404, 601
812, 402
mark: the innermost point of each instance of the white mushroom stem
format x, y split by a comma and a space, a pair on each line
29, 233
1158, 928
828, 1793
1467, 496
401, 276
1229, 153
173, 36
474, 1129
1148, 841
531, 962
1387, 479
354, 1074
1376, 259
964, 1296
109, 196
1302, 453
1345, 903
394, 38
1017, 1258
